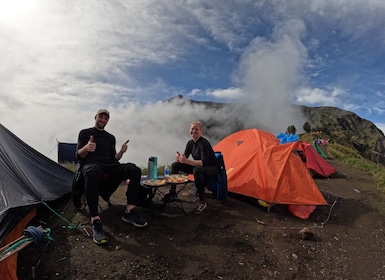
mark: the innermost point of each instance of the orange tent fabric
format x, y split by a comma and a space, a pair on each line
259, 167
8, 267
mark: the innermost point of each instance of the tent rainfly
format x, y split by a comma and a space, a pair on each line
259, 167
27, 179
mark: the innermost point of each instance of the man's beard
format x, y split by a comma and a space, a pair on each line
100, 125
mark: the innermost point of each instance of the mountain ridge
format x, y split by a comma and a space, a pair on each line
342, 126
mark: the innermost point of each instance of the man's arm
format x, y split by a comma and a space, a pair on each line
89, 147
119, 154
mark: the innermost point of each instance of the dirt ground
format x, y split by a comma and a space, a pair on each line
236, 240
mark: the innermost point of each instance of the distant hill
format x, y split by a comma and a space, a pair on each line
339, 125
349, 129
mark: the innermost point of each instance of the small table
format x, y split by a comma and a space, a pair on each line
166, 197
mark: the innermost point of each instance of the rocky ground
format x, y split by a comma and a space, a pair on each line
236, 240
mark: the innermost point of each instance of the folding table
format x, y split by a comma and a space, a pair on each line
162, 188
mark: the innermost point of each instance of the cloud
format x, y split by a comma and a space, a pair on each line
319, 97
269, 71
62, 60
70, 70
231, 94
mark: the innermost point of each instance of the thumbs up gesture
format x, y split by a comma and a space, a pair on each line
91, 145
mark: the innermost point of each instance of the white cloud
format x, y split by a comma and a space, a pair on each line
269, 71
231, 94
65, 59
319, 97
84, 44
224, 23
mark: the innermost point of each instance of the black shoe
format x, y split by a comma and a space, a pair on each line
133, 218
98, 234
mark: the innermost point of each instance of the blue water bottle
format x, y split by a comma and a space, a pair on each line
166, 172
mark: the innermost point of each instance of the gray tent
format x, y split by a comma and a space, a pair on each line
26, 179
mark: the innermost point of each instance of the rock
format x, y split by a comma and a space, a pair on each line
306, 234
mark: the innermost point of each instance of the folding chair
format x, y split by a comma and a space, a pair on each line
218, 184
106, 188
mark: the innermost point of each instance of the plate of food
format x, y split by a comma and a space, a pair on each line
154, 183
176, 179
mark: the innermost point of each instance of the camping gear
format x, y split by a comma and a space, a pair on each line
107, 186
316, 163
318, 149
165, 194
218, 184
27, 179
287, 138
152, 168
259, 167
66, 152
30, 235
312, 155
301, 211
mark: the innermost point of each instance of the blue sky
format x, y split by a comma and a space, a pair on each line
62, 60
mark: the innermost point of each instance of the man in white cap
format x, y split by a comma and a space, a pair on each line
97, 156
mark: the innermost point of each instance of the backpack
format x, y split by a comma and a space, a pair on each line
218, 184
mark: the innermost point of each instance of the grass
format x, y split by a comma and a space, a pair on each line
69, 165
353, 158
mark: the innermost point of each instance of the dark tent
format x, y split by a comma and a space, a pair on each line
26, 179
66, 152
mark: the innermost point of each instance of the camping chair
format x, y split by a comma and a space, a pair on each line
217, 184
107, 187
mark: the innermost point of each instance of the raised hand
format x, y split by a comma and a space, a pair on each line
124, 146
91, 145
182, 158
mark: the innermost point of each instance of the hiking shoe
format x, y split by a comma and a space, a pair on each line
200, 207
98, 234
133, 218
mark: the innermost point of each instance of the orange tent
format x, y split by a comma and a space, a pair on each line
259, 167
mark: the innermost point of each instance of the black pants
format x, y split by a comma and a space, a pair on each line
201, 174
93, 175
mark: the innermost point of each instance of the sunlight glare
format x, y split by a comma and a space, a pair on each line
15, 9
